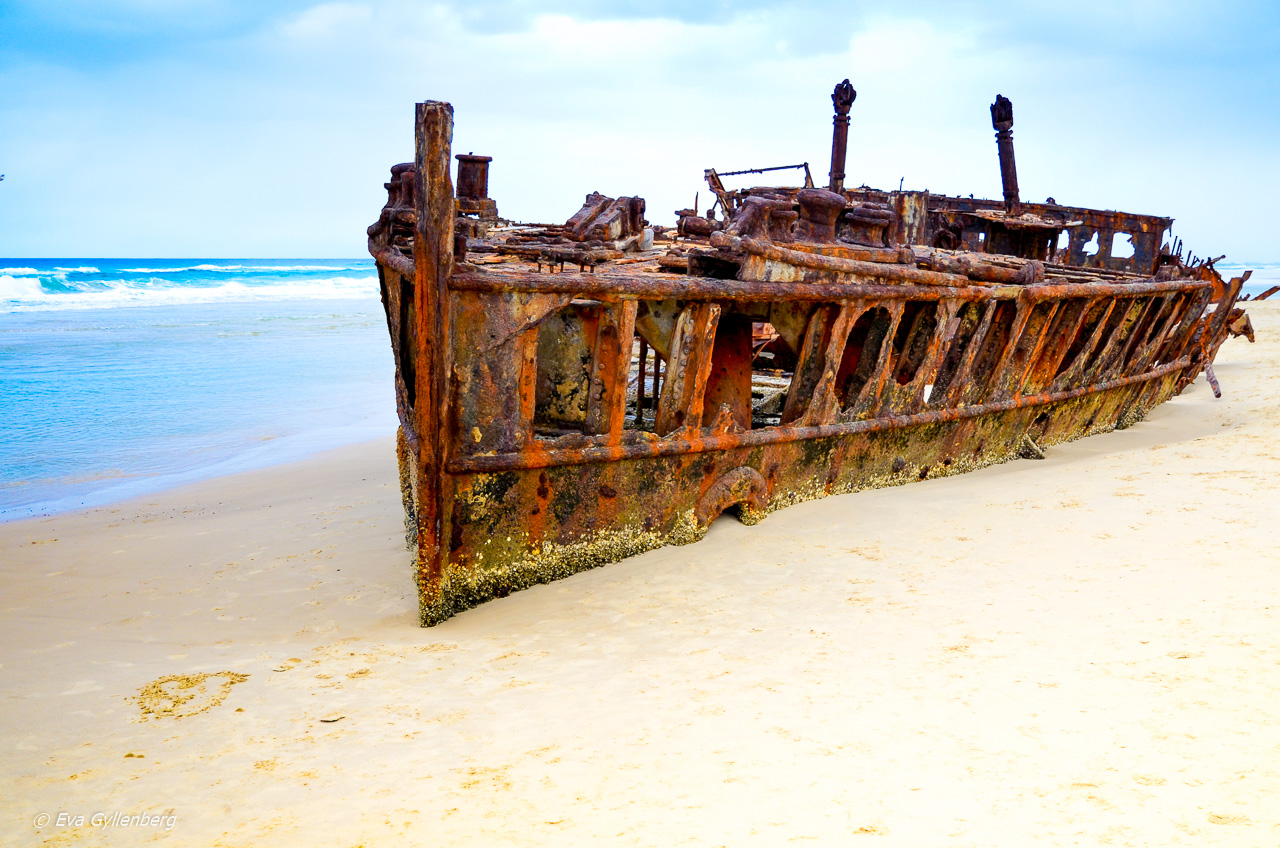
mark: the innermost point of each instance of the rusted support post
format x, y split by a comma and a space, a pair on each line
1002, 123
433, 263
659, 375
610, 371
681, 399
644, 354
842, 98
729, 383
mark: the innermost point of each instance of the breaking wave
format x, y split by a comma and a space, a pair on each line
24, 288
237, 269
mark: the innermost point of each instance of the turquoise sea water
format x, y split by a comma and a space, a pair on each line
123, 377
1264, 276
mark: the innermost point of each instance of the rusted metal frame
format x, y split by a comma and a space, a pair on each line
868, 401
824, 406
811, 363
1083, 357
688, 442
680, 404
995, 386
943, 334
611, 371
1051, 366
495, 366
821, 405
1099, 360
1178, 314
1212, 333
902, 255
610, 287
960, 380
1052, 290
1034, 355
889, 396
433, 265
1141, 352
526, 387
717, 188
952, 344
1048, 355
659, 378
1179, 327
640, 378
905, 398
1181, 336
1093, 219
877, 270
1119, 342
1141, 331
392, 258
994, 269
858, 308
726, 398
1222, 312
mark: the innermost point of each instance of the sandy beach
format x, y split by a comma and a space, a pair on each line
1080, 650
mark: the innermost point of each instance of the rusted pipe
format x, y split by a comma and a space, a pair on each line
842, 98
1002, 123
611, 287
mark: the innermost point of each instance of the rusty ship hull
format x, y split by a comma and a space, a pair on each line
556, 421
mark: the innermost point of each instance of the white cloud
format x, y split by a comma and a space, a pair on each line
276, 141
327, 21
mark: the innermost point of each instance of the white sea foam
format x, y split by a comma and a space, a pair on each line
19, 289
241, 268
21, 271
22, 294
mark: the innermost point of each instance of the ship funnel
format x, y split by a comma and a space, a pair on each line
1002, 123
842, 98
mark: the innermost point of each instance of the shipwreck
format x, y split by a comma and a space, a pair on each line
571, 395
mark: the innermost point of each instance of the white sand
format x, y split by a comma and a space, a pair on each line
1084, 650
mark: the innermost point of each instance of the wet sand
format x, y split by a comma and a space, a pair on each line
1079, 650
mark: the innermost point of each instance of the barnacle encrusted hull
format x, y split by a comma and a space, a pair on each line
556, 420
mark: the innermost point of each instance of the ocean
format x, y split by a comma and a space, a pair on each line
126, 377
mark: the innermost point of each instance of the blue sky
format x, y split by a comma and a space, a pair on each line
226, 128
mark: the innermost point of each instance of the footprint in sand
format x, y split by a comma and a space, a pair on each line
183, 695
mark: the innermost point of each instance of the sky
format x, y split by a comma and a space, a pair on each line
238, 128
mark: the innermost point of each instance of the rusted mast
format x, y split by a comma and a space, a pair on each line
842, 98
433, 264
1002, 123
